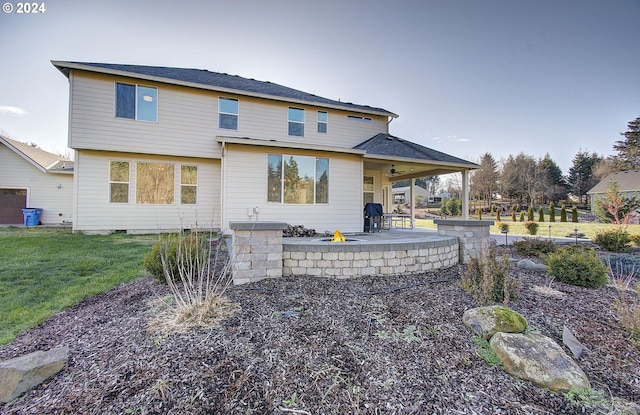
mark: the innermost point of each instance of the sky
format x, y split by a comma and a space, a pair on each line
465, 76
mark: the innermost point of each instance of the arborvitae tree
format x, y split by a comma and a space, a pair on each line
563, 213
444, 206
513, 215
497, 215
530, 214
541, 214
522, 216
479, 214
574, 214
552, 212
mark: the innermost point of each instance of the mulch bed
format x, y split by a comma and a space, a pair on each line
392, 345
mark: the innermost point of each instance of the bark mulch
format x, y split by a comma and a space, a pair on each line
392, 345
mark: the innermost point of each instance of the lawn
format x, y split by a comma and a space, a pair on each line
45, 270
558, 229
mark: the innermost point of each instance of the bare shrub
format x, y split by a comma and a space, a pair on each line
197, 280
627, 310
488, 279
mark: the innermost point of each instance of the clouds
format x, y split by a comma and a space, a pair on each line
450, 138
15, 111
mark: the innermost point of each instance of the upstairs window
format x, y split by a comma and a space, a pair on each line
323, 118
296, 122
137, 102
228, 113
357, 118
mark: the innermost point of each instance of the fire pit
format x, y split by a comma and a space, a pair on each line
377, 254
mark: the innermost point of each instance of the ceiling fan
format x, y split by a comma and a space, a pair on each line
393, 171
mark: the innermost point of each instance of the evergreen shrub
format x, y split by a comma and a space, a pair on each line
532, 227
615, 240
577, 265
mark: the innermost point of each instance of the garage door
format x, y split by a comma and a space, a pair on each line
11, 203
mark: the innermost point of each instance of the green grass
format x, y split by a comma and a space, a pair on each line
558, 229
45, 270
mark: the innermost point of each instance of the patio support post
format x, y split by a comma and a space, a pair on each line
465, 194
412, 190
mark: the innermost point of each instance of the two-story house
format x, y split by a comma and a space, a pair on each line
162, 148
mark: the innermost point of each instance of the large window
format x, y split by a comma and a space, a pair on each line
323, 119
297, 179
296, 122
137, 102
228, 113
188, 185
119, 182
155, 183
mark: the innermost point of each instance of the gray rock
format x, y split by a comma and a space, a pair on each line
486, 321
529, 264
22, 373
569, 340
539, 359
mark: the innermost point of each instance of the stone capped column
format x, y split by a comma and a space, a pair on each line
473, 236
257, 250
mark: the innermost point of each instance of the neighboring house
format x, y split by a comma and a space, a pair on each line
403, 195
162, 148
33, 178
628, 182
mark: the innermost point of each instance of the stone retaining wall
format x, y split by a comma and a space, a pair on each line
353, 259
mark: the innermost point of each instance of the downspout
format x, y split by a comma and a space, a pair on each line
412, 190
223, 187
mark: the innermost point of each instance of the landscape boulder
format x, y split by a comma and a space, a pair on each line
539, 359
486, 321
529, 264
22, 373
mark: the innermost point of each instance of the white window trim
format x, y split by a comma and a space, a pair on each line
135, 101
113, 181
304, 117
229, 113
326, 123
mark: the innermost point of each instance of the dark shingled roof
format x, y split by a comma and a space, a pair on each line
389, 145
221, 80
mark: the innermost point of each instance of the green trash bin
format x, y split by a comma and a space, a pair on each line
31, 216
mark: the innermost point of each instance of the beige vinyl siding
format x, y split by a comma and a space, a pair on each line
94, 213
187, 120
265, 119
42, 188
245, 169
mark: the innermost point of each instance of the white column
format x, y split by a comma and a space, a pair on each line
413, 202
465, 194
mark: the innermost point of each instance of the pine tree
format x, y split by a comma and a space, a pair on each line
552, 212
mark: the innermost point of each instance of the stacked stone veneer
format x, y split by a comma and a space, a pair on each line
256, 250
359, 258
473, 235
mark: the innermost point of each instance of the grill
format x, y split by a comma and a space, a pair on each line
373, 217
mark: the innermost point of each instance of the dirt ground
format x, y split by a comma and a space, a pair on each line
392, 345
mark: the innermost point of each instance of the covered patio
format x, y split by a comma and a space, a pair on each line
394, 159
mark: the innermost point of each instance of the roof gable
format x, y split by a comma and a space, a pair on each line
629, 181
202, 78
43, 160
392, 146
